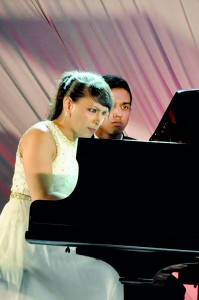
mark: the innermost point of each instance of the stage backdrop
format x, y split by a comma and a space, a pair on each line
153, 44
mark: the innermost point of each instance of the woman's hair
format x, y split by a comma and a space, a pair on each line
77, 84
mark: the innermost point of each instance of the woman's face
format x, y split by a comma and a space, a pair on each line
87, 116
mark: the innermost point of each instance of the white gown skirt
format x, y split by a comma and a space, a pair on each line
41, 272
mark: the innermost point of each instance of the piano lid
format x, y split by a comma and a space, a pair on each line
180, 120
127, 185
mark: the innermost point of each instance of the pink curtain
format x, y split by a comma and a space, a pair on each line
153, 44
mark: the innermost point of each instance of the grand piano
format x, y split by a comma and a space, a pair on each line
135, 205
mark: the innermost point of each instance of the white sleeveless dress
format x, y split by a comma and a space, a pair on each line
44, 272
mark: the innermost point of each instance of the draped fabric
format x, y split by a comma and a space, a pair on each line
152, 44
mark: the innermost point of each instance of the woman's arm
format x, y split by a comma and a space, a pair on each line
38, 150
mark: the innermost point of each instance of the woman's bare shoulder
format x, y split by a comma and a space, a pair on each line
40, 126
38, 132
38, 135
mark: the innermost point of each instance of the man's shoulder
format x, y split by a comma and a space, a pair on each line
128, 138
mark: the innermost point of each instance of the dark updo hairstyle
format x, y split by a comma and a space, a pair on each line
77, 84
116, 81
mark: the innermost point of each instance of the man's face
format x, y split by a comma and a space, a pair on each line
119, 115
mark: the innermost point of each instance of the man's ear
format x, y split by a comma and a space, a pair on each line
67, 103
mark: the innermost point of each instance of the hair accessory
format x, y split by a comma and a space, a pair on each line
67, 81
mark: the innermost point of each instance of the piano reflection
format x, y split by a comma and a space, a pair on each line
139, 214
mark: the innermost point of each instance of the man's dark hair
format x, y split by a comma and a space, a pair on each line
115, 81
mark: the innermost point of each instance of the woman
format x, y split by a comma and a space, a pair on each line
46, 168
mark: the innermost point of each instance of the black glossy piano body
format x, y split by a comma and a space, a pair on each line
140, 215
134, 206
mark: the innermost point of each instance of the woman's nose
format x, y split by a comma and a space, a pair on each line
99, 120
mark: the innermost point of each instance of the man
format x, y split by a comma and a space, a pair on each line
114, 125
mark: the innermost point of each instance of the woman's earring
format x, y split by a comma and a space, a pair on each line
65, 114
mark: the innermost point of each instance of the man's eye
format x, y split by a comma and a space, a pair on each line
125, 107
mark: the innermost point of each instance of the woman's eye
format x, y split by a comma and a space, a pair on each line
92, 110
104, 113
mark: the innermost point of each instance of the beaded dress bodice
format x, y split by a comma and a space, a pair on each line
65, 166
